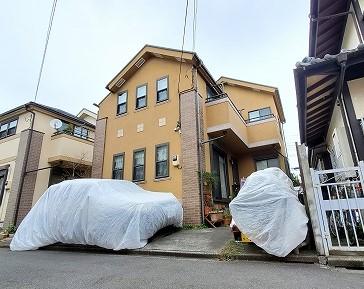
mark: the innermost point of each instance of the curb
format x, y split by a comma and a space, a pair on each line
331, 261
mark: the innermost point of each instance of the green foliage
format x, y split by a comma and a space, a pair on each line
69, 129
194, 227
209, 179
10, 229
295, 180
230, 251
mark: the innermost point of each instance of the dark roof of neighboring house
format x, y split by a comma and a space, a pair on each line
56, 111
318, 83
327, 25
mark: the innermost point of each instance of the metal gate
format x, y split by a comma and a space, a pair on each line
340, 205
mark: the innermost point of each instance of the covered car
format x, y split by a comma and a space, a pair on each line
113, 214
268, 212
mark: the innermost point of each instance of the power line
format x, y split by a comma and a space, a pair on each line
194, 24
183, 44
46, 46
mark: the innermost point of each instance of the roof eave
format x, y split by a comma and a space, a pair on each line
301, 88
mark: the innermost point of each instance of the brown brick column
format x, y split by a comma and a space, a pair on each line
23, 190
189, 135
99, 148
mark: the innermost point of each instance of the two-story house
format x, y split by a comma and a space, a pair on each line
329, 85
40, 146
165, 119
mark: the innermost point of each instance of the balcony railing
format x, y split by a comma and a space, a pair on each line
217, 96
254, 119
73, 133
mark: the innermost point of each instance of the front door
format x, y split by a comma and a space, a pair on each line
236, 180
219, 168
3, 174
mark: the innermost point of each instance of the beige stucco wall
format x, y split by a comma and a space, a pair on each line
338, 124
248, 99
149, 117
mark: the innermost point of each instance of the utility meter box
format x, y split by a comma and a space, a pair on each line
175, 160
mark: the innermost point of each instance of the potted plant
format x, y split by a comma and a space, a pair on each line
216, 213
11, 230
227, 218
209, 180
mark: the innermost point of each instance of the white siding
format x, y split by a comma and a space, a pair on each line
357, 96
342, 145
351, 38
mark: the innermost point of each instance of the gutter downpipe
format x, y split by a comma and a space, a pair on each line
199, 143
23, 172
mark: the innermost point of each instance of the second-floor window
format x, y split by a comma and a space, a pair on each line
8, 128
210, 93
122, 101
259, 114
80, 131
161, 161
162, 89
141, 96
139, 165
118, 167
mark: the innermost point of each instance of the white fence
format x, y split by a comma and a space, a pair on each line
340, 204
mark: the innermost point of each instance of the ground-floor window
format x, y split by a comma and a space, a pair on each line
139, 165
262, 164
161, 161
118, 167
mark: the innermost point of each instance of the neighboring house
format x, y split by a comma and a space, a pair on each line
330, 103
40, 146
165, 119
329, 85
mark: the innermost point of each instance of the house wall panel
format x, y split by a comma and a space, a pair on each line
351, 39
338, 124
152, 133
357, 96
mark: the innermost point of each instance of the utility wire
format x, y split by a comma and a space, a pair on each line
194, 24
183, 44
46, 45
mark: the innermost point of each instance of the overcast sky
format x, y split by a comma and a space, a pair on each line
91, 41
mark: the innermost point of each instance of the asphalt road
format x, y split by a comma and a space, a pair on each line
50, 269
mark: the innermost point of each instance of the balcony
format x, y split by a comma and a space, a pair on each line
70, 147
222, 117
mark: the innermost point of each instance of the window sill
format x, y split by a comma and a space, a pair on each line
162, 179
141, 108
121, 115
140, 182
162, 102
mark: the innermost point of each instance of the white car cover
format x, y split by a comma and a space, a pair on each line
268, 212
112, 214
